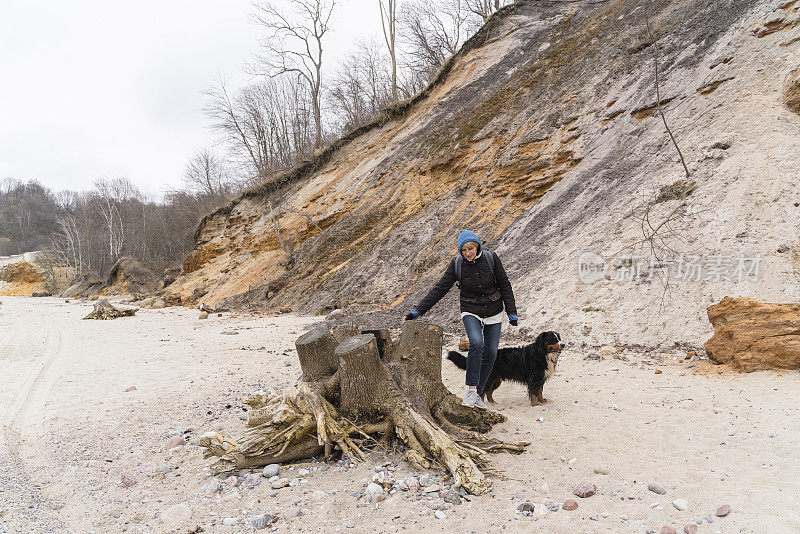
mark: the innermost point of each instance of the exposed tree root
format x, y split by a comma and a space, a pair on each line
361, 391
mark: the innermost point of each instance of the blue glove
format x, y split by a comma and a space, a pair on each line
513, 319
413, 315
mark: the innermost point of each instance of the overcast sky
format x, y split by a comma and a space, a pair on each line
92, 89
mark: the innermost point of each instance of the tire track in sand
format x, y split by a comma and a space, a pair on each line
23, 423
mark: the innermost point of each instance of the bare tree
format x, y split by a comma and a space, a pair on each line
362, 86
206, 174
388, 10
484, 8
293, 45
267, 125
433, 32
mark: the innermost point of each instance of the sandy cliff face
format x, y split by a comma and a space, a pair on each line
542, 136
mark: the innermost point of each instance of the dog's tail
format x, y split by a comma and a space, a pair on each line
457, 358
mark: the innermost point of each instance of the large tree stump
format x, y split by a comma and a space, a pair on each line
103, 310
361, 389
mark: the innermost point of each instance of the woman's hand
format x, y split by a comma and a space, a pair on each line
413, 314
514, 320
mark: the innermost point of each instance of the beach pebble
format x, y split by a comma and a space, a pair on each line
412, 483
709, 520
585, 489
570, 504
554, 507
176, 516
655, 488
594, 517
251, 480
231, 481
431, 488
526, 506
373, 489
439, 514
723, 510
127, 480
230, 522
680, 504
176, 441
601, 470
690, 528
545, 488
292, 513
280, 483
666, 529
259, 522
451, 496
204, 315
212, 487
303, 472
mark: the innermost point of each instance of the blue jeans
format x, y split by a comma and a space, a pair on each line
483, 343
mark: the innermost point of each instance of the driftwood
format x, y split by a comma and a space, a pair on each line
359, 389
104, 310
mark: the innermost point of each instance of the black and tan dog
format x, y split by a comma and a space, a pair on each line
532, 365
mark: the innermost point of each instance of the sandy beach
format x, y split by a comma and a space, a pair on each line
90, 408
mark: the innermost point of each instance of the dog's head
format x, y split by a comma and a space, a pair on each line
549, 342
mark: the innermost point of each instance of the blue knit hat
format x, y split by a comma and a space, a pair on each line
464, 236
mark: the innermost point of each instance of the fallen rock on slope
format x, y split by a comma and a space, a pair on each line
752, 335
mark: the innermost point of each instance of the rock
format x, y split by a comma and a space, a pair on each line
594, 517
214, 486
439, 514
791, 90
752, 335
158, 304
292, 513
412, 483
271, 470
451, 496
601, 470
217, 427
585, 489
302, 472
666, 529
132, 388
204, 315
425, 480
148, 302
554, 507
259, 522
335, 314
690, 528
373, 489
176, 516
230, 522
570, 505
177, 441
251, 481
525, 507
231, 481
723, 510
127, 480
658, 371
607, 351
437, 504
280, 483
430, 489
680, 504
655, 488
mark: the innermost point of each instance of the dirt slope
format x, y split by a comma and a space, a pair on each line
541, 136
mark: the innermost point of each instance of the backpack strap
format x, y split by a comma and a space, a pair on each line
460, 260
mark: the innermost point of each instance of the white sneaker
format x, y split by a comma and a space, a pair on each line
470, 398
480, 404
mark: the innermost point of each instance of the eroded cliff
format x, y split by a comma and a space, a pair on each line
543, 136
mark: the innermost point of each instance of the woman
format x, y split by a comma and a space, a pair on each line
485, 291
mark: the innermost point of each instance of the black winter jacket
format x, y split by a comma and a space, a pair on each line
477, 283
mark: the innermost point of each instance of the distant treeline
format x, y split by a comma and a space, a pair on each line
89, 231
